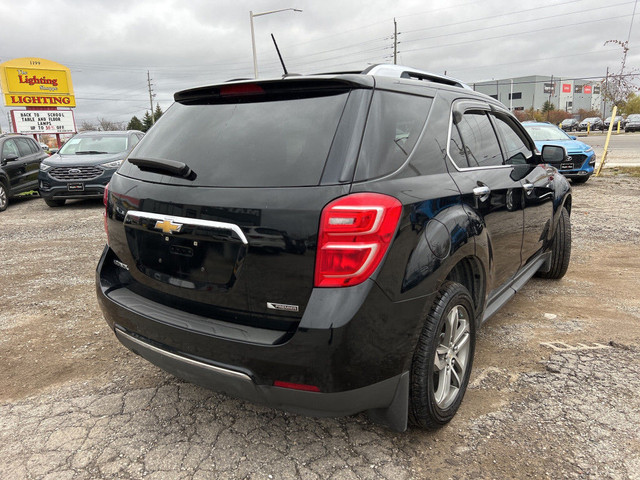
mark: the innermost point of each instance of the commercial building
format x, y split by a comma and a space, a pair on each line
523, 93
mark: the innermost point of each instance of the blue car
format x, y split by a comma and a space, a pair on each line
579, 165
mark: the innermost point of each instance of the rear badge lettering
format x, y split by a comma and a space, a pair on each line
282, 306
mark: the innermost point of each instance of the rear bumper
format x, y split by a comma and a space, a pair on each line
358, 357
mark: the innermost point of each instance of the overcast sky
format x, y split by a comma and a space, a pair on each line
110, 45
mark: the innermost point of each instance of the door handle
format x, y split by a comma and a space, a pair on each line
481, 191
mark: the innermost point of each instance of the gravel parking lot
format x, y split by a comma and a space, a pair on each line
555, 389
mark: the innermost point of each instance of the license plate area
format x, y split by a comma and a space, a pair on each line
183, 252
566, 166
75, 187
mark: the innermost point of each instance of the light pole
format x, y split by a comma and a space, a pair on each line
253, 37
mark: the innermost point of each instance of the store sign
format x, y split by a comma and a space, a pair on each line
43, 121
566, 88
587, 89
29, 82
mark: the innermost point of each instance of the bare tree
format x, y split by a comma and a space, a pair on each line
86, 125
617, 86
108, 125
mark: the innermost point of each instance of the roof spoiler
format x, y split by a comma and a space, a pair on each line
399, 71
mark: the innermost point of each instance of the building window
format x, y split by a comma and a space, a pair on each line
515, 96
494, 96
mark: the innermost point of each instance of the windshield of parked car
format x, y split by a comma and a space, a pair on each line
634, 118
567, 121
546, 132
95, 145
590, 120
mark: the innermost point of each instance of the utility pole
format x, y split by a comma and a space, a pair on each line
550, 92
604, 93
395, 42
151, 95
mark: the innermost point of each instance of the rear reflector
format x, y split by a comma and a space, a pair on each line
296, 386
355, 233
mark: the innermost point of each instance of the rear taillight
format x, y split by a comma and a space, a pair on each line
355, 232
105, 200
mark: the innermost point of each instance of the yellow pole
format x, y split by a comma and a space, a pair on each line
588, 128
618, 127
606, 143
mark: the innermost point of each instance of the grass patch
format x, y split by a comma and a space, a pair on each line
626, 171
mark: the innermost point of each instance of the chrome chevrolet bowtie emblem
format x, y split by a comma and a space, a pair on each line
167, 226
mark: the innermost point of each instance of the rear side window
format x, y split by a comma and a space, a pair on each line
25, 147
480, 141
394, 125
277, 143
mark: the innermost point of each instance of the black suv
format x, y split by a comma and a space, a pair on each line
20, 158
84, 165
329, 244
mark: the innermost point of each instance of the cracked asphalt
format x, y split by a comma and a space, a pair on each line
555, 389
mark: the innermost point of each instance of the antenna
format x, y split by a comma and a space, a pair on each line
279, 56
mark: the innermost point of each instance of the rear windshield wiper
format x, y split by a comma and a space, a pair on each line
164, 166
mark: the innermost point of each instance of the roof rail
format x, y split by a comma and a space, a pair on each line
399, 71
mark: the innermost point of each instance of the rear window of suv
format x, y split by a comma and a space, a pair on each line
250, 143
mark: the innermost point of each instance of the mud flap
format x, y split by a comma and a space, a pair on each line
395, 416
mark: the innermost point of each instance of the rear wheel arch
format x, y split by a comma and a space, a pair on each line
470, 273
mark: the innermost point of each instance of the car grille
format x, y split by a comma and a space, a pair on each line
75, 173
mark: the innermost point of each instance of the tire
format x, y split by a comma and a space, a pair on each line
560, 248
4, 196
54, 203
442, 361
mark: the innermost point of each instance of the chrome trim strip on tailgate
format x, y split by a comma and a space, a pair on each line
180, 358
189, 221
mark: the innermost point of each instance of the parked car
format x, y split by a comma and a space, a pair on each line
569, 124
414, 208
580, 163
20, 158
633, 123
594, 123
84, 165
617, 120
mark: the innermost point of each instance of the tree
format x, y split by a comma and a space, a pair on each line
109, 125
135, 124
617, 86
633, 104
147, 122
86, 125
157, 113
548, 106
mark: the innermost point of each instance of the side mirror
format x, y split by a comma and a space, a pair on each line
553, 154
11, 157
573, 137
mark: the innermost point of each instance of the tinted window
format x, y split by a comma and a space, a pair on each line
24, 147
456, 148
10, 148
394, 125
480, 141
284, 142
515, 150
